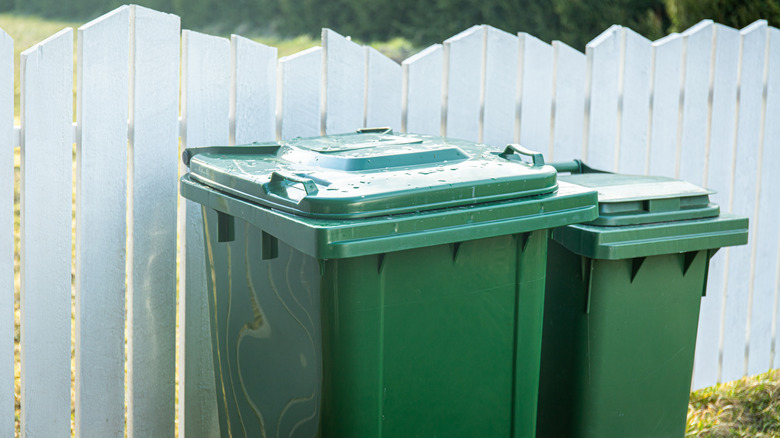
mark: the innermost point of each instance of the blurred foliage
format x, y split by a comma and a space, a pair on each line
734, 13
574, 22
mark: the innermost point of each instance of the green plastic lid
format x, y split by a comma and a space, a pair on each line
642, 216
639, 199
370, 173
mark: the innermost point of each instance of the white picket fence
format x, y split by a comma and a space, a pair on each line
703, 106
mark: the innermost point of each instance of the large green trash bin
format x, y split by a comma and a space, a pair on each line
622, 307
373, 284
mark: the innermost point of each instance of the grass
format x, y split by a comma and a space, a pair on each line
745, 408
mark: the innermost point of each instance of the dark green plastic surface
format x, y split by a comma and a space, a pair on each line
622, 305
618, 346
367, 175
332, 317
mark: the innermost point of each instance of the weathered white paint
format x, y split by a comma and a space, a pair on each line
343, 84
534, 93
252, 91
422, 90
568, 102
498, 118
603, 61
153, 192
718, 177
771, 148
767, 234
46, 196
665, 106
384, 81
463, 69
739, 285
205, 106
298, 94
634, 102
697, 42
7, 401
101, 224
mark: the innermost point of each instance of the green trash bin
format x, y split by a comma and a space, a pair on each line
622, 306
374, 284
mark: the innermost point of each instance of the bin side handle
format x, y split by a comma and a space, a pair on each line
512, 148
249, 149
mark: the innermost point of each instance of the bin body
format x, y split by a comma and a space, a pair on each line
621, 313
426, 323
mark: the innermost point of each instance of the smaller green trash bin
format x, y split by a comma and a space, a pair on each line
622, 307
373, 284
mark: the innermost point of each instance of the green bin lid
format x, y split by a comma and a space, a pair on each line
370, 174
376, 192
640, 216
639, 199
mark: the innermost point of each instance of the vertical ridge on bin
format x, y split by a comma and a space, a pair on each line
422, 92
742, 199
568, 102
500, 83
634, 102
298, 94
205, 106
45, 233
463, 56
343, 84
384, 83
252, 91
151, 261
603, 61
101, 224
766, 232
664, 113
696, 83
7, 399
724, 101
534, 93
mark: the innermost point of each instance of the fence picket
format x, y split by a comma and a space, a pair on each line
568, 102
766, 232
252, 91
742, 202
771, 139
384, 80
603, 61
664, 115
298, 94
422, 92
343, 84
534, 88
463, 59
101, 223
153, 191
634, 102
696, 85
6, 235
500, 81
205, 106
717, 176
45, 297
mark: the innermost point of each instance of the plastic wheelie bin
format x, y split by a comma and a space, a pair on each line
374, 284
622, 306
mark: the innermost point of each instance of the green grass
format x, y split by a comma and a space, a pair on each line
745, 408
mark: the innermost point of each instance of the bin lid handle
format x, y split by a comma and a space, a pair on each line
536, 157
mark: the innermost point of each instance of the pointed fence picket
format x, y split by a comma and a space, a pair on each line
700, 105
